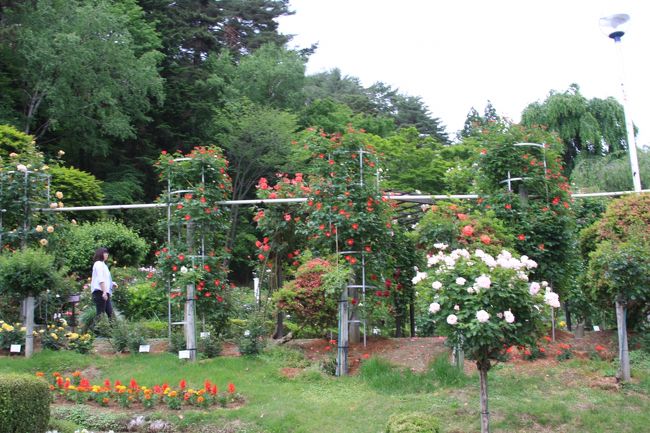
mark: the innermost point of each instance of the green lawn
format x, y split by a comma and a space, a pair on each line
568, 397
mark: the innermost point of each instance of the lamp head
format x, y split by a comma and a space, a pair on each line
614, 25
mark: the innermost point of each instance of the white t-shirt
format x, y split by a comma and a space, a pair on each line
101, 274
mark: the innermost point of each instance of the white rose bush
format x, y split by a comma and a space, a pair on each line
484, 304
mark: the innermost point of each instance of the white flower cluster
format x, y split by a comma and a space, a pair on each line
419, 276
552, 298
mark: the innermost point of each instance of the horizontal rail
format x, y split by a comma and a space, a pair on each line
406, 197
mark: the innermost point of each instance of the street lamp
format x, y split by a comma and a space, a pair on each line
613, 27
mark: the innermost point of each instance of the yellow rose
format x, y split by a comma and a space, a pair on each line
39, 229
50, 229
54, 336
43, 242
58, 195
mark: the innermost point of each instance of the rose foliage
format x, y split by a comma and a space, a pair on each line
198, 224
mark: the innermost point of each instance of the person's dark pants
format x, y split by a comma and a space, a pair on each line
101, 305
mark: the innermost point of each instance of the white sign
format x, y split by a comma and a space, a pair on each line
205, 335
183, 354
15, 348
144, 348
596, 328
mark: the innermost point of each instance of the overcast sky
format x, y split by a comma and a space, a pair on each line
459, 54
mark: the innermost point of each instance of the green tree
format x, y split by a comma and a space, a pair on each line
195, 35
272, 76
609, 173
412, 162
474, 122
586, 126
256, 140
81, 71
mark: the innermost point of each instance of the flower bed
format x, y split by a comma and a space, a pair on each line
78, 389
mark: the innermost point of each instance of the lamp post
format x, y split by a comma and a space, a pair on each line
613, 27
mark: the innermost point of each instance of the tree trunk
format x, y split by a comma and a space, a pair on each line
623, 354
279, 325
567, 314
483, 368
279, 281
412, 317
29, 326
399, 318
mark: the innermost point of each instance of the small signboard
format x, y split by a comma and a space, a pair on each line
183, 354
205, 335
144, 348
596, 328
15, 348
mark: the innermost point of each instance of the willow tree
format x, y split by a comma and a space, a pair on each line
586, 126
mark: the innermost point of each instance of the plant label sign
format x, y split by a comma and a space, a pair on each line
144, 348
183, 354
15, 348
205, 335
596, 328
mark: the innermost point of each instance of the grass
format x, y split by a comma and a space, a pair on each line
567, 397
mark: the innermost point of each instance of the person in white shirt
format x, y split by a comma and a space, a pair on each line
102, 284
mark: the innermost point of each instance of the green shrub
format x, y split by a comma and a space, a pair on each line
252, 339
154, 329
81, 242
127, 336
210, 346
28, 272
143, 302
78, 187
312, 297
88, 419
177, 342
24, 404
412, 422
11, 334
63, 426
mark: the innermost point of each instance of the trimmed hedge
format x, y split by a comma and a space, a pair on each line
413, 422
24, 404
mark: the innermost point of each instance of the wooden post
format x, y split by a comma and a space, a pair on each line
623, 354
342, 350
190, 322
29, 326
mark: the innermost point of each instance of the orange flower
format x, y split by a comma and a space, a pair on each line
231, 388
40, 374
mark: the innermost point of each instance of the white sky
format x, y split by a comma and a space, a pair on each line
457, 54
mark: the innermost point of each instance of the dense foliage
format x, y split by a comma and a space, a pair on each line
28, 272
24, 404
78, 243
311, 298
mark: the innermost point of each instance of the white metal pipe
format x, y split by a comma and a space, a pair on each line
629, 126
405, 197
